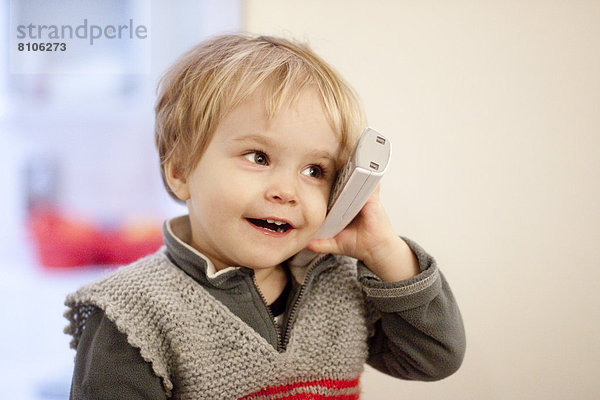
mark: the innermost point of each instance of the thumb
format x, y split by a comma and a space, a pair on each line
324, 246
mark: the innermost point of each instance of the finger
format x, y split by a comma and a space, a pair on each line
375, 195
324, 246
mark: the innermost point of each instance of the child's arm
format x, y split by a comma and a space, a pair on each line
418, 331
420, 334
108, 367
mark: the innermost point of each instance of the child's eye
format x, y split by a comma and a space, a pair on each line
314, 171
257, 157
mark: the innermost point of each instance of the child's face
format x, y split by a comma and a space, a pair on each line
255, 170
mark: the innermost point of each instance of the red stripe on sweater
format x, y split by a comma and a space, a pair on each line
323, 383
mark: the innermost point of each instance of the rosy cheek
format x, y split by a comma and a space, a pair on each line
319, 210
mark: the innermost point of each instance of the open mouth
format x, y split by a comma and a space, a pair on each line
271, 225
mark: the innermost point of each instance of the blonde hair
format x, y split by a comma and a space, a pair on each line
218, 74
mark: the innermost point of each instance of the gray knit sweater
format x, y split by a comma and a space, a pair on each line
200, 347
197, 346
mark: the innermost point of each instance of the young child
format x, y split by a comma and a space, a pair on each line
251, 132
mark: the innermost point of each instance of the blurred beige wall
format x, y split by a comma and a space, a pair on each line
493, 108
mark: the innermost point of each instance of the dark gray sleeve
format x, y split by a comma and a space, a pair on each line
418, 332
108, 367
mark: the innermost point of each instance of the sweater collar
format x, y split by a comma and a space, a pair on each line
177, 236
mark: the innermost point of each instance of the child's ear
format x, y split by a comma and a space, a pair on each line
176, 181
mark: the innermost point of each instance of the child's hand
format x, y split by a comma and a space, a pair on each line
370, 237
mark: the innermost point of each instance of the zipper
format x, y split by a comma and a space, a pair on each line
282, 342
292, 315
277, 330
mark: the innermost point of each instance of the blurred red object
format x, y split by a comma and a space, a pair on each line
63, 241
131, 241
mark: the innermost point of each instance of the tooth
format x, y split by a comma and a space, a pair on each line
279, 222
280, 230
270, 221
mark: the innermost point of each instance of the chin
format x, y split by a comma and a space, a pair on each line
262, 262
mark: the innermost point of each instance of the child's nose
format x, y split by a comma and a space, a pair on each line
283, 198
282, 191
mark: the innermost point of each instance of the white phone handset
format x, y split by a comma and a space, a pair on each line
356, 182
353, 186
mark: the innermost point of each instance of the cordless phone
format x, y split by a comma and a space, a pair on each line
356, 182
353, 186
